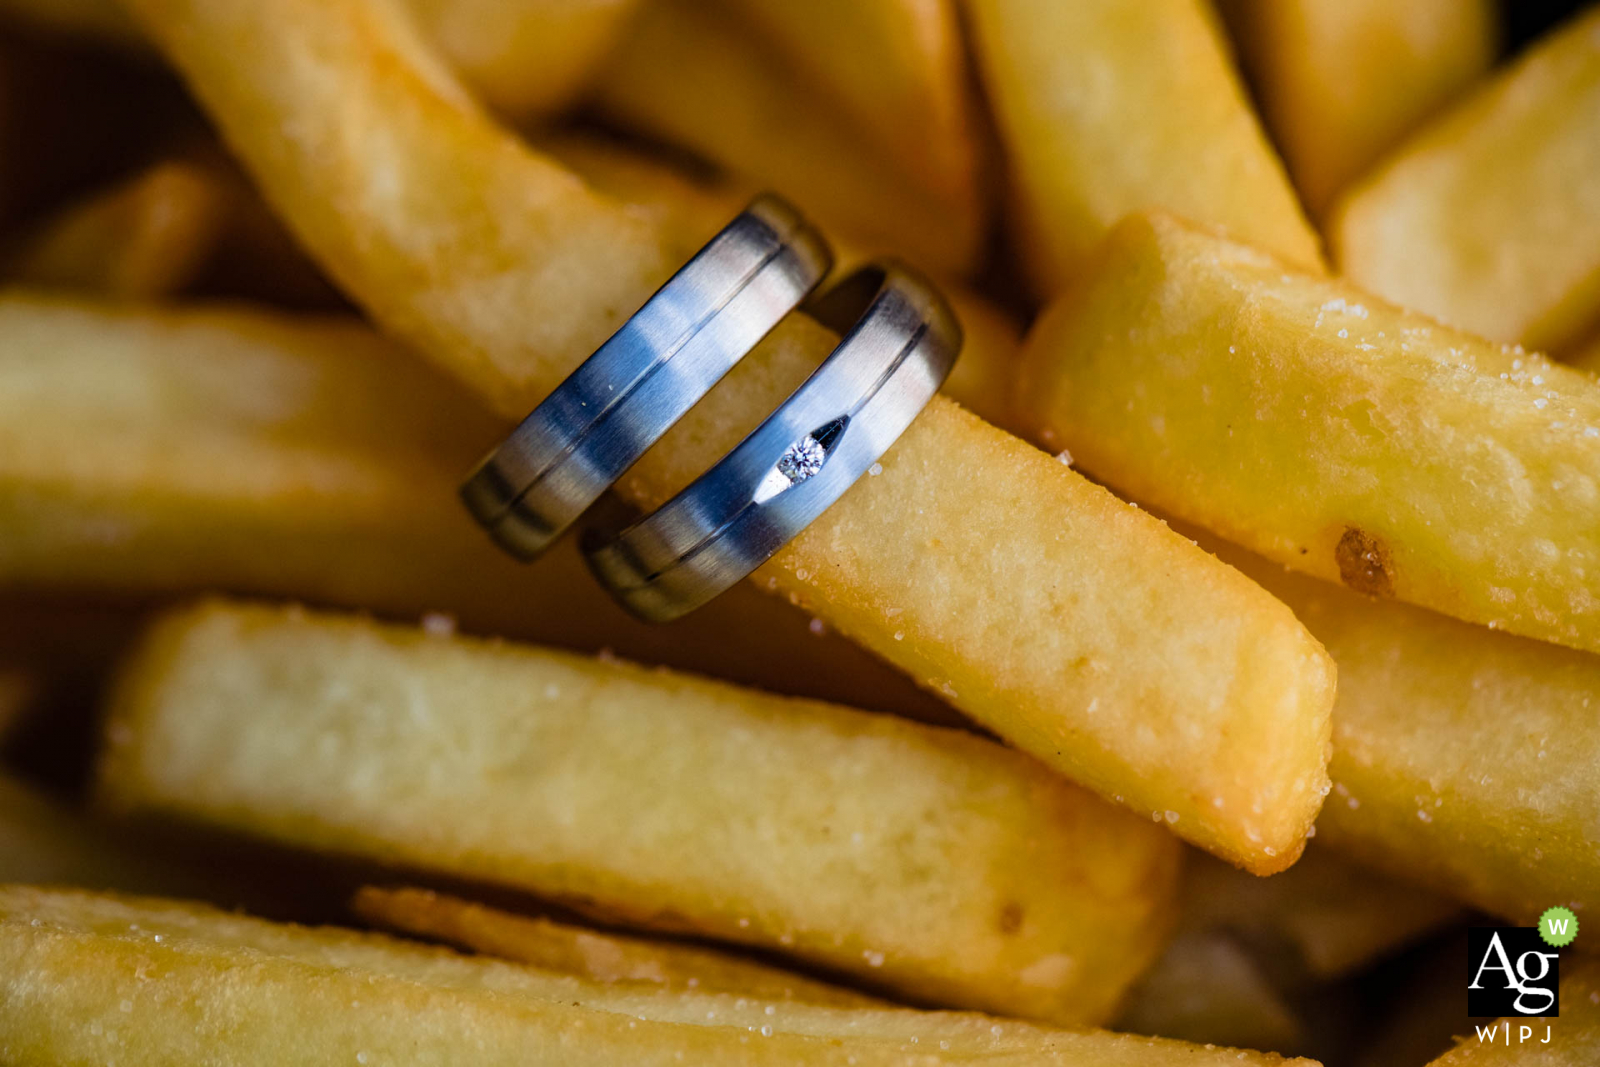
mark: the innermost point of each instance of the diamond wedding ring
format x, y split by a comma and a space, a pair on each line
900, 341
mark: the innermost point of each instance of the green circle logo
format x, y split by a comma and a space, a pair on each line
1558, 926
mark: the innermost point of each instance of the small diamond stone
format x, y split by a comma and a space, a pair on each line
802, 459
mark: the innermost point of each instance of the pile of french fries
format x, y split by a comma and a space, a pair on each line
1263, 506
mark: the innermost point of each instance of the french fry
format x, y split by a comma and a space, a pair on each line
1489, 219
586, 953
149, 236
930, 862
1328, 430
1574, 1037
898, 67
310, 458
1207, 988
1070, 624
1342, 81
1106, 108
1463, 759
686, 74
86, 978
1333, 917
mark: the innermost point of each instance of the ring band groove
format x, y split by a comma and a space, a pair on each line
720, 528
633, 387
576, 443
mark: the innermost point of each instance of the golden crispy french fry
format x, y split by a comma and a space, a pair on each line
310, 458
1489, 219
685, 73
1574, 1038
1108, 107
898, 67
1342, 81
149, 236
1463, 759
1076, 627
586, 953
1332, 916
1328, 430
87, 978
930, 862
1207, 988
695, 210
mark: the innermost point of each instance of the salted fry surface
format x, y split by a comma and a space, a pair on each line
1328, 430
925, 861
1463, 759
268, 993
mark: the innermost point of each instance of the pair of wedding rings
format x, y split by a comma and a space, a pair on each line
900, 340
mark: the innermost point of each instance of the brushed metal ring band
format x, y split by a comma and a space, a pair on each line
623, 398
797, 463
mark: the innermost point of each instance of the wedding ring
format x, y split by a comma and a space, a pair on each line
602, 418
797, 463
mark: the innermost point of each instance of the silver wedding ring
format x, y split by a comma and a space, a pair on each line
900, 340
790, 469
607, 414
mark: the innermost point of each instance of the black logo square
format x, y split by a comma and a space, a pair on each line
1511, 971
